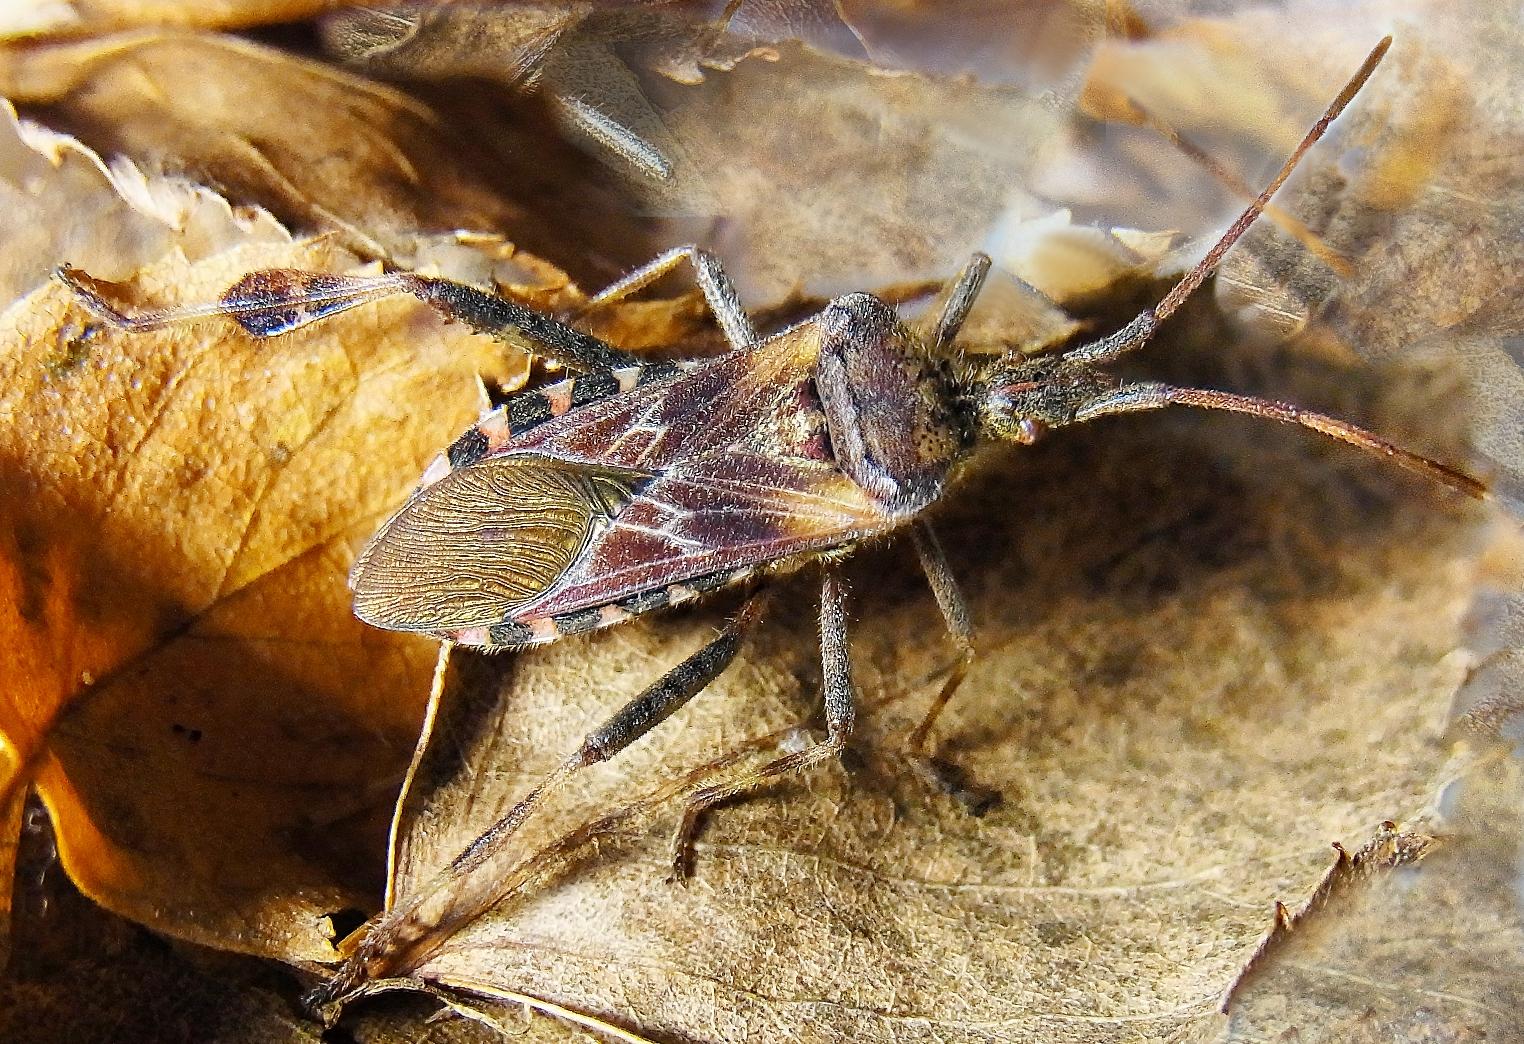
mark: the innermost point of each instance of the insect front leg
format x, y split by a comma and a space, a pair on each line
960, 302
718, 290
279, 300
840, 713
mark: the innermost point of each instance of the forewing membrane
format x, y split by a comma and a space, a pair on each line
483, 541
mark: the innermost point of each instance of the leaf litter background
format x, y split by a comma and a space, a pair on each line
1207, 650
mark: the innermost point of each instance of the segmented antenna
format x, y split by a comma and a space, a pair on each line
1140, 396
1137, 333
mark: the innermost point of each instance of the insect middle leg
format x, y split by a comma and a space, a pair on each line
712, 279
840, 713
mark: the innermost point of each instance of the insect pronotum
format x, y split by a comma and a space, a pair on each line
633, 486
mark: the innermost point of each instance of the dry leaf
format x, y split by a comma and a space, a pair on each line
1421, 204
83, 974
1409, 192
81, 17
1430, 952
63, 203
322, 149
587, 57
217, 738
830, 176
1256, 621
214, 734
180, 508
811, 169
1207, 649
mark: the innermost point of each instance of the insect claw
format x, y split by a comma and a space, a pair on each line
86, 291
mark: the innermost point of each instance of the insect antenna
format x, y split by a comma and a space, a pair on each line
1138, 332
1135, 397
1286, 222
1025, 400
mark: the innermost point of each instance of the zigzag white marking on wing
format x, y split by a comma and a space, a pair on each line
686, 543
786, 500
643, 426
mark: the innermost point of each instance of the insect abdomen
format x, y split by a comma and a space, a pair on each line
518, 634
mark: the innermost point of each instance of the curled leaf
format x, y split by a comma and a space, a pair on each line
321, 149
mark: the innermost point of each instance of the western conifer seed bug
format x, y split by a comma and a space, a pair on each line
633, 486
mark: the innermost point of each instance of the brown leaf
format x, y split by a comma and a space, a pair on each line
828, 165
83, 974
81, 17
409, 40
1410, 195
812, 168
1205, 652
581, 58
58, 197
11, 822
1207, 649
321, 149
217, 738
1427, 952
834, 177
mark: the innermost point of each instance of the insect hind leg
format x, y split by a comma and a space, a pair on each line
275, 301
635, 719
840, 713
670, 692
265, 303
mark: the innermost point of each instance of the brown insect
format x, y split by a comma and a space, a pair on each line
635, 486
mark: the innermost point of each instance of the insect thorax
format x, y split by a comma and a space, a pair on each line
892, 410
